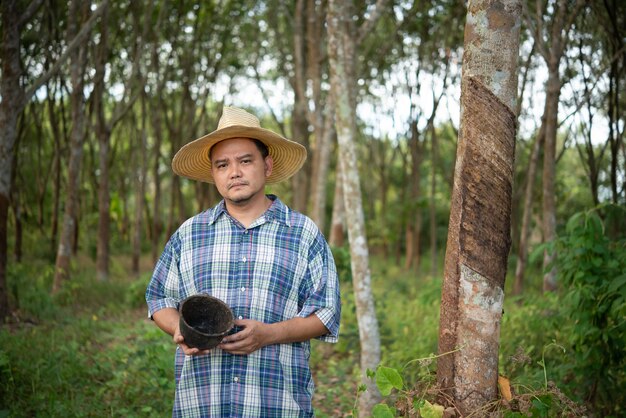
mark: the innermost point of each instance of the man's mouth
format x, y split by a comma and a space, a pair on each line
237, 185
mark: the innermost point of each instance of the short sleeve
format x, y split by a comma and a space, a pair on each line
162, 291
324, 300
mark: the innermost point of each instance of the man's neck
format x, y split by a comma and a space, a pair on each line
247, 212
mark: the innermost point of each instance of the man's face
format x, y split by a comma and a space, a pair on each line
239, 170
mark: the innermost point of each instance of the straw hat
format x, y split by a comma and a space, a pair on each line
192, 160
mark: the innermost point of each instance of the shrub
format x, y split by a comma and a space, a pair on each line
592, 270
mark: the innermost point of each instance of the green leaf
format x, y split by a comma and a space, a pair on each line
429, 410
387, 379
618, 285
574, 221
381, 410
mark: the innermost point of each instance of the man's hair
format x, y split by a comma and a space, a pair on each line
259, 144
262, 147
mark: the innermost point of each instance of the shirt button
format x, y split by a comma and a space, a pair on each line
240, 317
236, 379
243, 289
245, 231
244, 259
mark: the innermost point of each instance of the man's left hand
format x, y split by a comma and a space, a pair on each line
253, 336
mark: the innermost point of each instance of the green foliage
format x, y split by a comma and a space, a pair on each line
29, 288
388, 379
343, 264
135, 295
120, 358
592, 269
383, 411
94, 357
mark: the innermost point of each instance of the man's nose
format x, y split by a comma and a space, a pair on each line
235, 170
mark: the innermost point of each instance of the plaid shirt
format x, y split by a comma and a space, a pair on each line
279, 268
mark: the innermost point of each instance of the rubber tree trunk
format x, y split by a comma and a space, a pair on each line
479, 231
337, 222
414, 224
103, 134
522, 250
551, 43
341, 54
78, 60
11, 105
553, 89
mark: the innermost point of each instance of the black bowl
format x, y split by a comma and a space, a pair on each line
204, 320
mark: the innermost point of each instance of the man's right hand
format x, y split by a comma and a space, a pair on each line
180, 341
168, 320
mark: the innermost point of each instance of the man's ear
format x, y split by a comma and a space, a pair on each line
269, 165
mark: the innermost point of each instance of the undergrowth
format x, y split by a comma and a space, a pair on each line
91, 351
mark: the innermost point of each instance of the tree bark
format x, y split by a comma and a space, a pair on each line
414, 223
321, 165
299, 122
140, 175
552, 51
78, 61
10, 107
322, 117
337, 224
56, 167
341, 52
103, 133
553, 91
157, 223
431, 205
479, 230
522, 250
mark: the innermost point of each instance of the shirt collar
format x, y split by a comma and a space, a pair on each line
278, 211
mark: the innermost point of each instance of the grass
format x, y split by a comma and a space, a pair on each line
90, 351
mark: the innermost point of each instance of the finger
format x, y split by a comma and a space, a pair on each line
235, 349
238, 336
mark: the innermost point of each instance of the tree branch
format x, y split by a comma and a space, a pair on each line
78, 39
369, 24
29, 12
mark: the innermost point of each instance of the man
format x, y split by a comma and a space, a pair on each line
270, 264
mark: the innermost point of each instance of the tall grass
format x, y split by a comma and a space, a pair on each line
90, 350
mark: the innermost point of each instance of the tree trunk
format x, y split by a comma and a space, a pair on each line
157, 223
479, 230
10, 107
67, 239
522, 250
552, 50
56, 172
104, 205
341, 53
103, 134
431, 205
553, 91
337, 223
414, 224
299, 122
322, 118
17, 209
140, 173
321, 165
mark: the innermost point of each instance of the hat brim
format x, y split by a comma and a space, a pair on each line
192, 160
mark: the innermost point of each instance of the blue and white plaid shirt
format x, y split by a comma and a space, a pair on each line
279, 268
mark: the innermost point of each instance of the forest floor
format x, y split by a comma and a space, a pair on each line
91, 351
